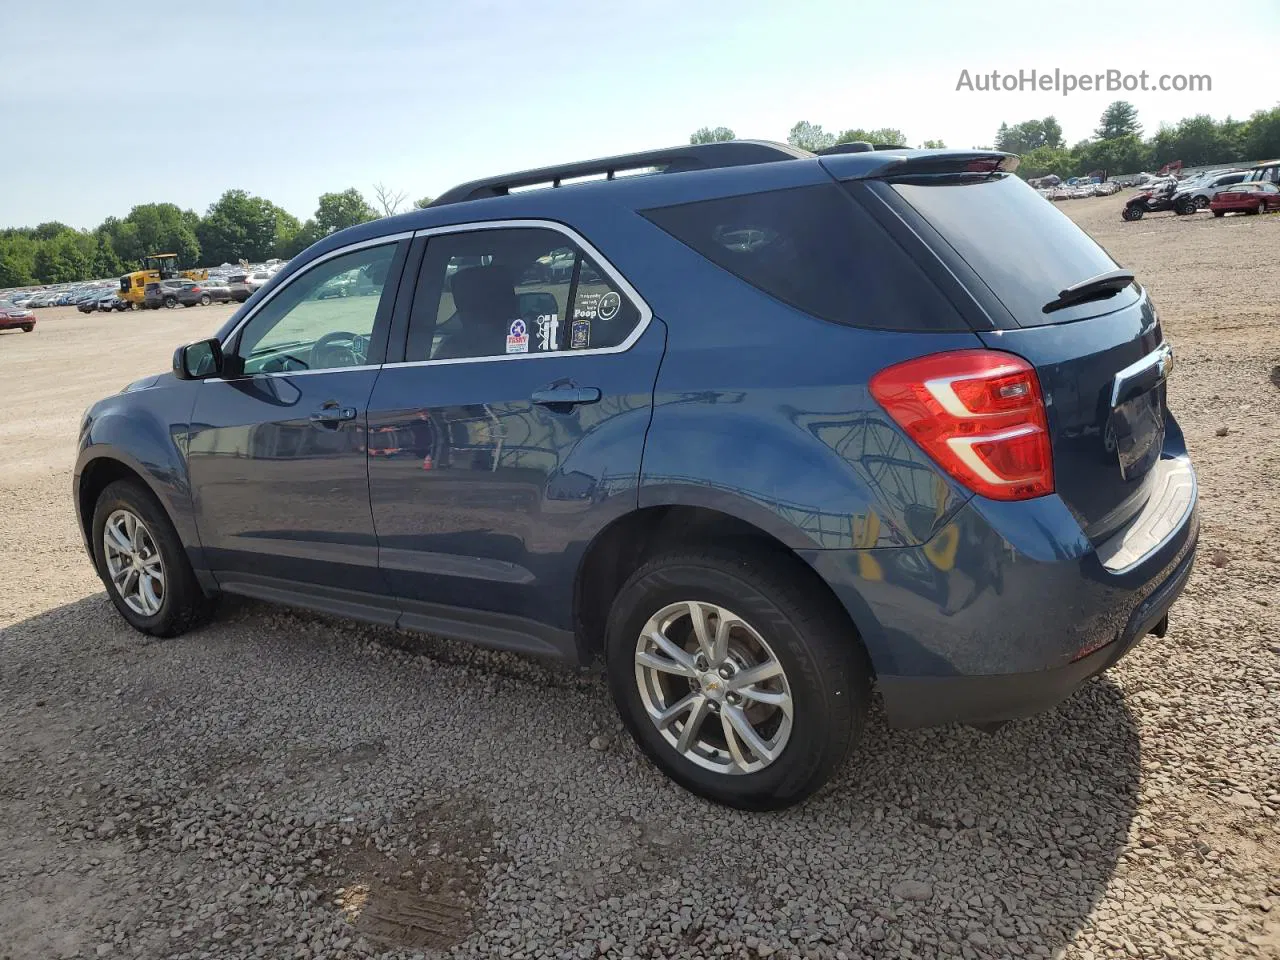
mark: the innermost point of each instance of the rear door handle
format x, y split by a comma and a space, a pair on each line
565, 396
331, 415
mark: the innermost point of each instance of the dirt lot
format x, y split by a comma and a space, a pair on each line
285, 785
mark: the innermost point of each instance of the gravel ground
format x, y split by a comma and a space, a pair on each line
285, 785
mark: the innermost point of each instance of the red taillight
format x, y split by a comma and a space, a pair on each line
979, 414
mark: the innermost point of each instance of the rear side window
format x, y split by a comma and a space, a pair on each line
1022, 247
816, 249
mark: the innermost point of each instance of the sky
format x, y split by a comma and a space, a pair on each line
104, 106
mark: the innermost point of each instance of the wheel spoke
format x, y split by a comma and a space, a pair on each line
720, 643
664, 718
119, 539
757, 674
702, 630
130, 581
692, 725
731, 739
662, 664
152, 563
673, 651
147, 593
774, 698
743, 728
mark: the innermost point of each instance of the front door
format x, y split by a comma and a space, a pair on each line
277, 444
511, 431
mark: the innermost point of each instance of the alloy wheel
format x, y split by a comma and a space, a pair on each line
713, 687
134, 565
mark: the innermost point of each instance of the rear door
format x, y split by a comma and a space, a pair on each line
511, 430
1098, 352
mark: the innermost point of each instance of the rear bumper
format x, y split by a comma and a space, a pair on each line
1010, 607
932, 701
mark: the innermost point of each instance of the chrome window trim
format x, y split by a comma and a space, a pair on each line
323, 258
621, 282
624, 286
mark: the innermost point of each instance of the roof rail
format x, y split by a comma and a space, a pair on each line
704, 156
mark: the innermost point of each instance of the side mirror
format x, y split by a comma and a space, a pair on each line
196, 361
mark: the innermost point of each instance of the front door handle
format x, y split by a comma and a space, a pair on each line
331, 415
565, 396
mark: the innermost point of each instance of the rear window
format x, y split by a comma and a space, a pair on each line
816, 249
1020, 244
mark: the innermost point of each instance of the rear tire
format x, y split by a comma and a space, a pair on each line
133, 305
1219, 213
777, 617
1201, 202
182, 604
170, 303
205, 300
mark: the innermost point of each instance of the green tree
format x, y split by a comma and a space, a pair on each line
1120, 119
243, 227
105, 262
1045, 160
337, 211
157, 228
1260, 139
711, 135
422, 202
1127, 154
1029, 135
881, 135
17, 260
810, 136
61, 259
933, 145
47, 231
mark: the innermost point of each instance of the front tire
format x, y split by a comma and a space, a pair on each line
740, 679
1131, 213
1219, 213
28, 327
143, 564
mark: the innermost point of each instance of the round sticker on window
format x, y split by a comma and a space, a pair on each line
609, 306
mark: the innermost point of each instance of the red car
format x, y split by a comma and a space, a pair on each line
1254, 197
14, 317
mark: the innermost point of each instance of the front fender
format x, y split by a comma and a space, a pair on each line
144, 431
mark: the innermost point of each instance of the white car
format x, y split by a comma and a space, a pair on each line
256, 279
1195, 195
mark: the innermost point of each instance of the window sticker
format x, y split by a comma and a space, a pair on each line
548, 332
586, 306
518, 338
609, 306
580, 334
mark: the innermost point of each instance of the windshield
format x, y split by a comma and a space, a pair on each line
1022, 246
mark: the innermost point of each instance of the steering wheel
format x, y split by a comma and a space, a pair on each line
331, 350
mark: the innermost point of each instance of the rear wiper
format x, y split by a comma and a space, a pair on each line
1103, 285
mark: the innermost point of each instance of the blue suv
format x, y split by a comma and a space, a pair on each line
762, 429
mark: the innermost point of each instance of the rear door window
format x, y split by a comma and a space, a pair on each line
1023, 248
513, 292
816, 249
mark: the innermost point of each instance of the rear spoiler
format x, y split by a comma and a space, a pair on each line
896, 164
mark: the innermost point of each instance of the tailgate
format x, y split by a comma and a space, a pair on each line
1097, 347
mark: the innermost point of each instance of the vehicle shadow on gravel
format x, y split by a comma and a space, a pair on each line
935, 842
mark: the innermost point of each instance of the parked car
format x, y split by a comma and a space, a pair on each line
174, 293
916, 437
256, 279
87, 305
239, 286
1267, 171
1193, 196
112, 302
218, 292
14, 317
1259, 197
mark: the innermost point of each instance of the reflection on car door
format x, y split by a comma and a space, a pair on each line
277, 455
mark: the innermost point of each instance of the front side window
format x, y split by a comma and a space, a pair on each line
519, 291
322, 320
